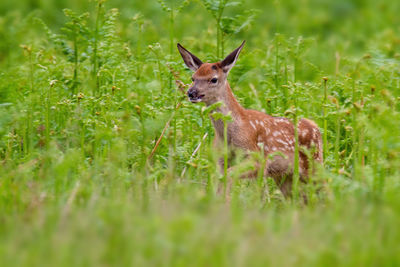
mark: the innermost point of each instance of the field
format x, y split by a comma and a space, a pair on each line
99, 163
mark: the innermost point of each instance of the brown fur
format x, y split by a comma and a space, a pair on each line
205, 70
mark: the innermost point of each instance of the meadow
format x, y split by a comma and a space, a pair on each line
104, 161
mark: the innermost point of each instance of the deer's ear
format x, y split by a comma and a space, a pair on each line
191, 60
230, 60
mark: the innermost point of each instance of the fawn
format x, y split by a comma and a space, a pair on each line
249, 129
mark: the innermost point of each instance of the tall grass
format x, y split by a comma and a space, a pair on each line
104, 162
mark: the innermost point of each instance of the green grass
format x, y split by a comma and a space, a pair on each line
85, 94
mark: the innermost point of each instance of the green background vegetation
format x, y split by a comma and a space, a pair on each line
87, 87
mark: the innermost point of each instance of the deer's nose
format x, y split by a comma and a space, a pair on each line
192, 93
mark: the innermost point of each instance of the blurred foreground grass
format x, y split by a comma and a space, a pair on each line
85, 96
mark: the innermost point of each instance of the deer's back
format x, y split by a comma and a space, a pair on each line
276, 134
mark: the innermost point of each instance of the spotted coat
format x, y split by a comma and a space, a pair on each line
253, 129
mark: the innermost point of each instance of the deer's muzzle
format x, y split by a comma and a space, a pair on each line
194, 95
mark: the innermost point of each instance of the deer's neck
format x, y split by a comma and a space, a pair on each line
229, 106
229, 103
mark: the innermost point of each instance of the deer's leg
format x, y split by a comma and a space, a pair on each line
229, 181
221, 163
285, 185
231, 170
281, 170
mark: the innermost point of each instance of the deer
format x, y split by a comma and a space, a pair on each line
252, 130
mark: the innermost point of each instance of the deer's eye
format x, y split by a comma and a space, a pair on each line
214, 80
192, 79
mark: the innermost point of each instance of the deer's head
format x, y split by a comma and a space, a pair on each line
209, 79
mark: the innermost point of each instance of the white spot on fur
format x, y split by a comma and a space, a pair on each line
266, 147
282, 142
276, 133
315, 133
252, 125
273, 148
267, 131
257, 122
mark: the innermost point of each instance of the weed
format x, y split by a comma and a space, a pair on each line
104, 162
